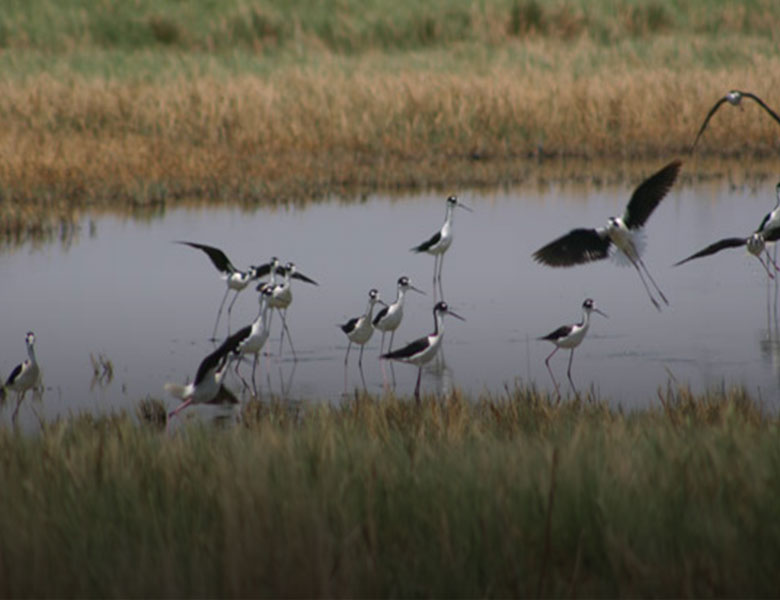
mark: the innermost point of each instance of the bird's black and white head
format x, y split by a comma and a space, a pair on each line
290, 267
30, 339
734, 97
442, 308
373, 296
756, 244
405, 284
453, 202
589, 306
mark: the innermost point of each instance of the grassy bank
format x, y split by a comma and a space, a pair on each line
146, 103
507, 496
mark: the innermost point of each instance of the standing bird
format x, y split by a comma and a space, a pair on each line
771, 220
755, 243
585, 245
281, 298
26, 375
207, 386
734, 97
441, 240
236, 280
389, 318
422, 350
570, 336
252, 338
360, 329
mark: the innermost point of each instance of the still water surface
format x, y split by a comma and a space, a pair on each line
127, 292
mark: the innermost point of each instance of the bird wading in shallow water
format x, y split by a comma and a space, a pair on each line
422, 350
360, 329
570, 336
622, 235
734, 97
24, 376
389, 318
438, 243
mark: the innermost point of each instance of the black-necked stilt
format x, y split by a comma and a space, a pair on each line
422, 350
570, 336
755, 243
389, 318
236, 280
584, 245
281, 298
441, 240
208, 380
734, 97
360, 329
771, 220
252, 338
24, 376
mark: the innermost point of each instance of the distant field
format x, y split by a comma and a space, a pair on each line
125, 105
509, 495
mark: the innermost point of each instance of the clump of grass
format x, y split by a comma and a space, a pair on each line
512, 494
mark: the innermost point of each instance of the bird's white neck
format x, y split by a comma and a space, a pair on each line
400, 297
31, 352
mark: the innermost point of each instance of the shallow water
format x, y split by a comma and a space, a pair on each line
148, 305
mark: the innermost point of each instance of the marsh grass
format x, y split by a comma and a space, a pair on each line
511, 494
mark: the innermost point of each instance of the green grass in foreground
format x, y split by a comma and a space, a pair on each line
504, 496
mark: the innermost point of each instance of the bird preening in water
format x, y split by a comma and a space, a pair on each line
422, 350
570, 336
734, 97
438, 243
620, 235
24, 376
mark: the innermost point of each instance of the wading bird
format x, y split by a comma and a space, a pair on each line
236, 280
252, 338
621, 235
281, 298
755, 243
360, 329
734, 97
26, 375
389, 318
771, 220
207, 386
442, 239
570, 336
422, 350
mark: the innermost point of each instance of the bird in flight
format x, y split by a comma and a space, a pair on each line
621, 236
734, 97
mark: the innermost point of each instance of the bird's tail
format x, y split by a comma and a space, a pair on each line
176, 390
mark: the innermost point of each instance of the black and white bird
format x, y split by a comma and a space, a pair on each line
569, 337
442, 239
252, 338
236, 280
734, 97
771, 220
207, 386
622, 235
389, 318
755, 244
24, 376
422, 350
281, 297
360, 329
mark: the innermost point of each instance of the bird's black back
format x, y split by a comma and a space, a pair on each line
558, 334
425, 246
216, 359
409, 350
649, 194
350, 325
381, 314
14, 374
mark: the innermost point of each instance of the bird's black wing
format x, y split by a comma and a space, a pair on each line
381, 315
763, 105
349, 325
714, 108
771, 235
559, 333
218, 258
217, 358
764, 221
649, 194
303, 277
734, 242
576, 247
425, 246
409, 350
14, 374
